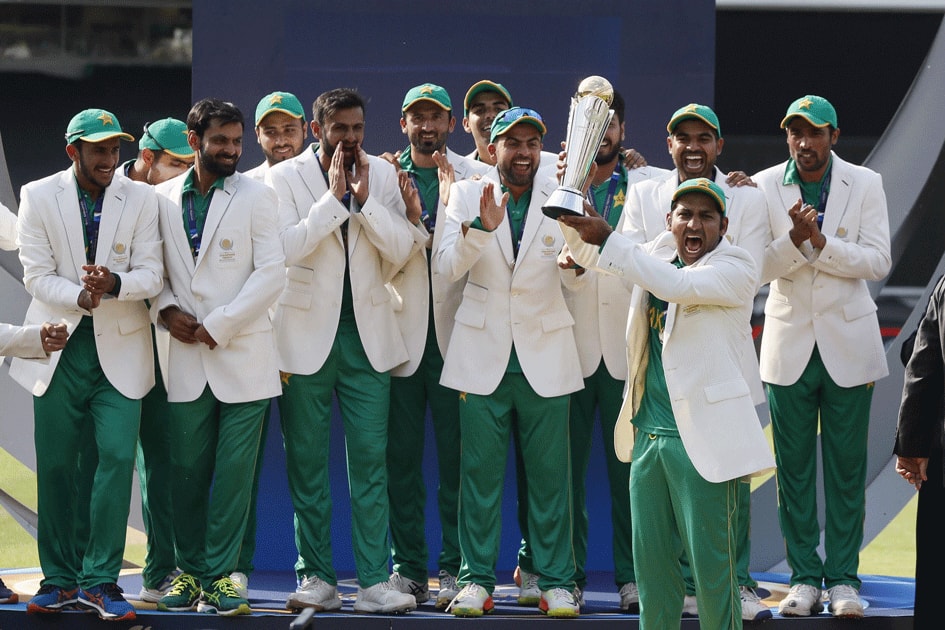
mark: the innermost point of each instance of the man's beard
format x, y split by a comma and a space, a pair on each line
601, 159
213, 167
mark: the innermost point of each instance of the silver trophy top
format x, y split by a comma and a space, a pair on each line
596, 86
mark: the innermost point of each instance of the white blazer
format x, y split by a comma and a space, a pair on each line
21, 341
411, 283
52, 250
644, 219
600, 304
506, 300
7, 229
706, 327
821, 296
229, 288
379, 239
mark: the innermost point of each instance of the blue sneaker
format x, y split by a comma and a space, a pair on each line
6, 595
51, 599
107, 601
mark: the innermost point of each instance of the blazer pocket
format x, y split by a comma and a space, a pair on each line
299, 275
858, 308
380, 295
718, 392
130, 324
556, 321
778, 308
472, 310
296, 299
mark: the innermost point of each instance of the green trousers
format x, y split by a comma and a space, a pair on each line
214, 446
155, 480
601, 391
676, 510
486, 424
844, 415
90, 501
248, 549
409, 397
305, 409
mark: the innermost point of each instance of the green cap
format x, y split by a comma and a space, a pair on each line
698, 112
168, 135
511, 117
427, 92
704, 186
485, 86
814, 109
279, 102
94, 125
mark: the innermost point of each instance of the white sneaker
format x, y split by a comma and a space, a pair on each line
629, 597
844, 602
690, 607
473, 601
752, 608
448, 590
802, 600
419, 590
155, 594
383, 597
241, 582
528, 593
314, 592
559, 602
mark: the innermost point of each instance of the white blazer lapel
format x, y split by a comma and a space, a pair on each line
533, 217
218, 206
841, 181
113, 205
172, 216
310, 172
68, 201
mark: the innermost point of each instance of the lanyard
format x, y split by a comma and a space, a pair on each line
516, 234
822, 202
428, 218
611, 191
195, 234
91, 220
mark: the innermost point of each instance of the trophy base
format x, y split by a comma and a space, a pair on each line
564, 200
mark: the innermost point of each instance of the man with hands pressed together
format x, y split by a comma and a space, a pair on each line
821, 349
690, 427
224, 268
91, 255
343, 229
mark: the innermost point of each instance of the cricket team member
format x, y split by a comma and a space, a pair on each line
280, 131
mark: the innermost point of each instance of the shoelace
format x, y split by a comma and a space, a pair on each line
225, 586
181, 582
113, 591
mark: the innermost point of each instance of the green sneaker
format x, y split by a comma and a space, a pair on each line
183, 595
222, 599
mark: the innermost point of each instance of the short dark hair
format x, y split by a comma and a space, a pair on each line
333, 101
206, 110
618, 106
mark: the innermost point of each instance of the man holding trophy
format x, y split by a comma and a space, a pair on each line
511, 355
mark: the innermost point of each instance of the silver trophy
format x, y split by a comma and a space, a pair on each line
587, 121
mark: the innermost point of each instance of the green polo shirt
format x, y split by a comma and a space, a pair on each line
599, 195
190, 194
428, 181
655, 415
810, 191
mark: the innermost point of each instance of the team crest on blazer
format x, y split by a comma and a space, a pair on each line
548, 240
841, 232
119, 248
226, 243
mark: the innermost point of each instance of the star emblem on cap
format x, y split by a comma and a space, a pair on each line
691, 107
703, 184
106, 119
805, 104
426, 89
276, 98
